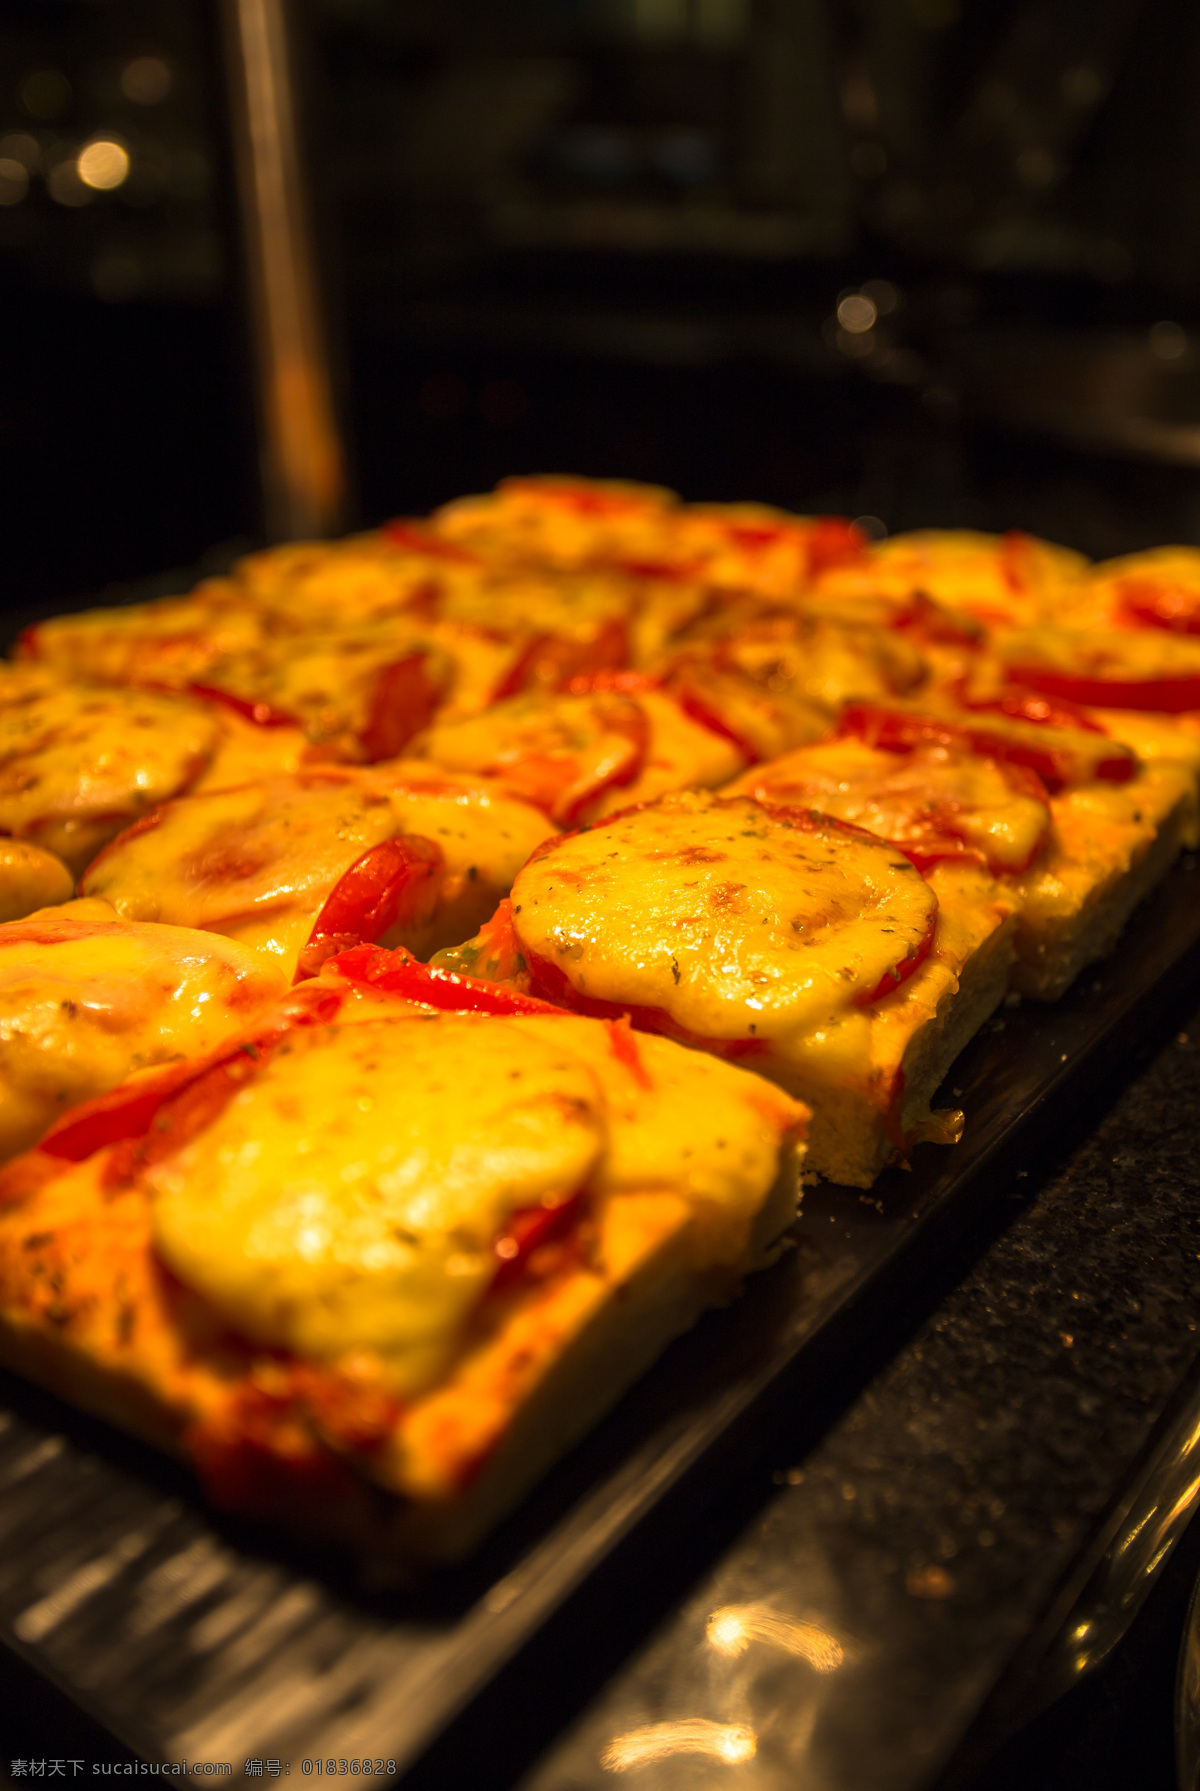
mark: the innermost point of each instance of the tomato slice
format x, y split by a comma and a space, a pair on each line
551, 661
704, 706
1032, 705
404, 700
562, 996
1057, 761
1160, 696
395, 883
399, 973
418, 537
834, 541
933, 806
1160, 603
262, 714
527, 1230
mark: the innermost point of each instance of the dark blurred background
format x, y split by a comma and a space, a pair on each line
914, 260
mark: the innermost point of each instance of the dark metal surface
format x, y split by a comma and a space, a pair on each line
187, 1637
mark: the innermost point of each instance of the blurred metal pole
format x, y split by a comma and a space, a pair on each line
302, 459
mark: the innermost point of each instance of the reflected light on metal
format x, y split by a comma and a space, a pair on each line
732, 1629
301, 451
731, 1742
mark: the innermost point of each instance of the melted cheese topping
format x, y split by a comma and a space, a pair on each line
1117, 653
86, 1000
78, 764
175, 641
255, 864
347, 1200
485, 832
1016, 578
911, 797
733, 923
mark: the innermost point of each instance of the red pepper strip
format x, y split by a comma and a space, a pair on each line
1150, 603
550, 662
263, 715
402, 532
1030, 705
403, 701
624, 1047
892, 731
556, 988
526, 1230
632, 721
398, 973
1160, 696
129, 1111
393, 884
696, 703
834, 542
690, 570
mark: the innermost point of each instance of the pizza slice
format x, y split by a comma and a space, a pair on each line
87, 999
416, 1254
773, 935
299, 867
78, 763
1117, 822
1013, 579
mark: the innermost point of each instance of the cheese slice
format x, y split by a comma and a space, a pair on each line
913, 799
733, 922
78, 763
87, 999
347, 1200
257, 863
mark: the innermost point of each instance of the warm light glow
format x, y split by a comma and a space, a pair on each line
103, 164
146, 80
857, 313
732, 1629
14, 180
731, 1742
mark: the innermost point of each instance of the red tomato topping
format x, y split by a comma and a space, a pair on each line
1158, 603
1031, 705
550, 662
702, 706
626, 716
528, 1229
562, 994
395, 883
130, 1110
402, 531
1161, 696
624, 1047
399, 973
403, 701
262, 714
1057, 764
834, 542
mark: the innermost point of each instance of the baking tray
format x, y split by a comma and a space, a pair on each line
192, 1638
